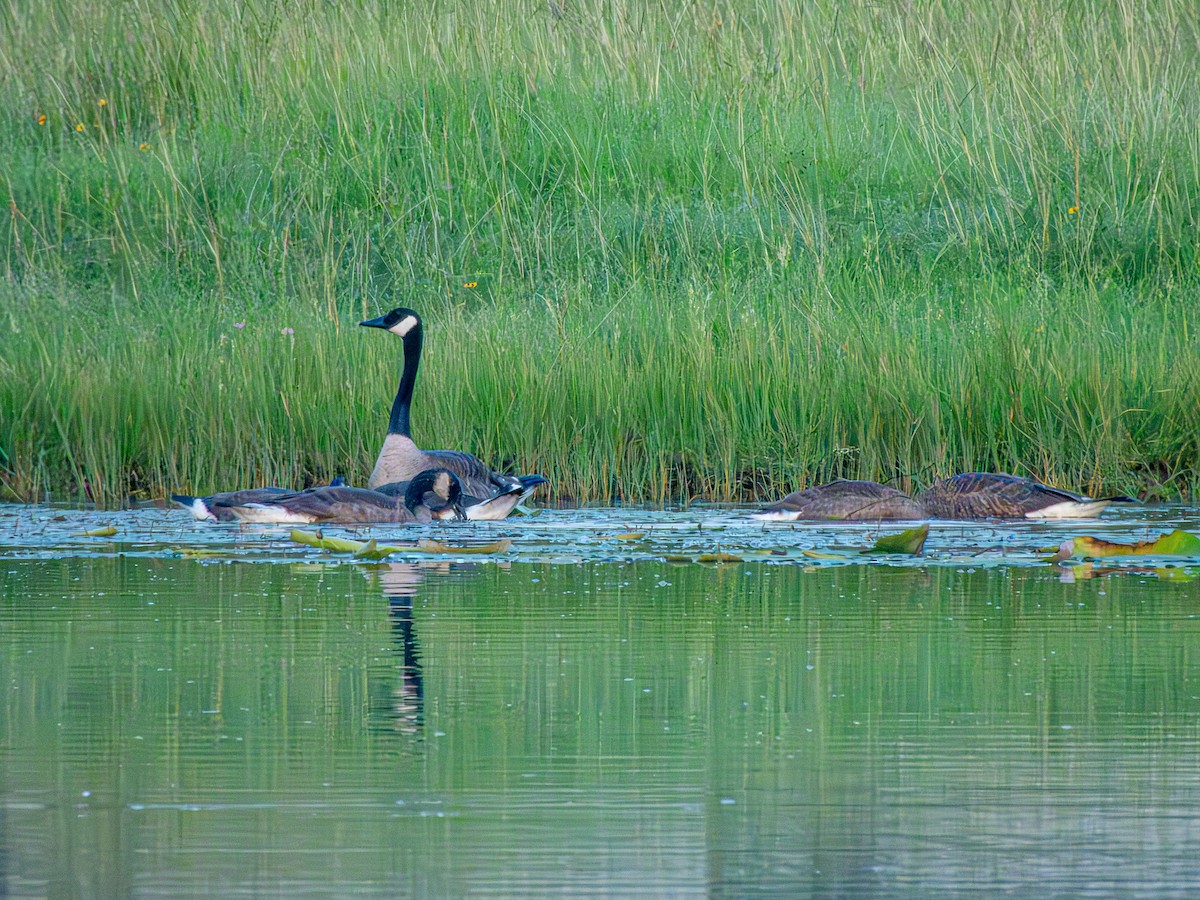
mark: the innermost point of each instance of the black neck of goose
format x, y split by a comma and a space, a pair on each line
398, 423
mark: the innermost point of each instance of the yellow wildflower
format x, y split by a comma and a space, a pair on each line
41, 118
1072, 210
79, 127
470, 284
143, 146
102, 102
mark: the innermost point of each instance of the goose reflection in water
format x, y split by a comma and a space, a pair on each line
401, 710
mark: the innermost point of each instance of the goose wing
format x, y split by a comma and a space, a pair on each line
845, 500
478, 479
983, 495
334, 505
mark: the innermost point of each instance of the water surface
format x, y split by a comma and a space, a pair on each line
579, 716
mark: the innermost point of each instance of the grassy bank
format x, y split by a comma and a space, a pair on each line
714, 251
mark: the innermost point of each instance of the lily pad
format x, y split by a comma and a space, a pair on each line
719, 558
910, 542
372, 550
318, 540
428, 546
821, 554
1177, 543
199, 553
106, 531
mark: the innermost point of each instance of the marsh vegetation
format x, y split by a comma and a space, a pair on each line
663, 252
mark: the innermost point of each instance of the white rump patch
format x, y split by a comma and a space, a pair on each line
201, 511
1069, 509
265, 514
404, 326
776, 515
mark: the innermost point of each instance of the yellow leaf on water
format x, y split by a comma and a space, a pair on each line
427, 546
371, 550
718, 558
629, 536
821, 554
338, 545
106, 531
1177, 543
197, 553
910, 541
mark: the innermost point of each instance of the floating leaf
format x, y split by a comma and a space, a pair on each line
427, 546
910, 541
198, 553
106, 531
318, 540
629, 536
821, 554
719, 558
1177, 543
371, 550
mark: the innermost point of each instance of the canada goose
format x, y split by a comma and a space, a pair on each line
497, 506
217, 507
844, 500
983, 495
400, 458
432, 494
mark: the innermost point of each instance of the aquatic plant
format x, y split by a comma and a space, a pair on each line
691, 252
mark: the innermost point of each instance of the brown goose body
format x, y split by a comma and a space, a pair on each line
219, 507
433, 494
844, 500
988, 495
400, 459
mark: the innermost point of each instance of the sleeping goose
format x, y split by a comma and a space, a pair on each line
217, 507
432, 494
983, 495
843, 500
497, 506
494, 494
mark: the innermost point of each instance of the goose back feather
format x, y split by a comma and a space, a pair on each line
985, 495
844, 500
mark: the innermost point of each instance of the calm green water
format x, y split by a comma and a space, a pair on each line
540, 726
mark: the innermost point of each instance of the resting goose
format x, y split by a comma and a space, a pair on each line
847, 500
432, 494
217, 507
492, 508
984, 495
494, 495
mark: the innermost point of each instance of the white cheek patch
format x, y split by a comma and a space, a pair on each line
404, 326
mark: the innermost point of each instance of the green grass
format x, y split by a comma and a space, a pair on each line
717, 251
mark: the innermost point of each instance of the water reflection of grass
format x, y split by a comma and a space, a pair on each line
702, 255
611, 711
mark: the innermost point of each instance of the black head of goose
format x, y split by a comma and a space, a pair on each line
998, 495
843, 500
432, 494
494, 494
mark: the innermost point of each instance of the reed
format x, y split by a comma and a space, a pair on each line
715, 251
